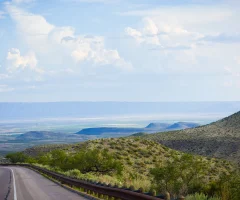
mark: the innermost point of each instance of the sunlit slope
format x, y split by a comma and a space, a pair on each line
137, 155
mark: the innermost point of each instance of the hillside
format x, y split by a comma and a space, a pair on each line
46, 148
138, 157
220, 139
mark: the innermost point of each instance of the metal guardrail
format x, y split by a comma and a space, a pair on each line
97, 189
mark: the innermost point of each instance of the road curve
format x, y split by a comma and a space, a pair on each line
6, 184
29, 185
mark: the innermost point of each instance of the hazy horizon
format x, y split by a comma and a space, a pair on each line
25, 111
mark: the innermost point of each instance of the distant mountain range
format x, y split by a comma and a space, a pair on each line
152, 127
45, 135
157, 126
113, 131
37, 135
220, 139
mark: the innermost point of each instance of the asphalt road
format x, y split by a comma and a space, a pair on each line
6, 184
19, 183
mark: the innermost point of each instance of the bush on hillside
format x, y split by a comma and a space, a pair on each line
96, 161
179, 174
17, 157
200, 196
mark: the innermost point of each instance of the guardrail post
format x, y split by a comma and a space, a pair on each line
131, 188
167, 196
95, 194
141, 190
153, 192
181, 197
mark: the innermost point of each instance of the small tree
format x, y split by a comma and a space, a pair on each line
179, 173
230, 185
167, 176
60, 159
44, 159
96, 161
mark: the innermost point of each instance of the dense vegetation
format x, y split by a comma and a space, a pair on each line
141, 164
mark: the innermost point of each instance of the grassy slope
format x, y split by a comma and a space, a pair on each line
220, 139
137, 155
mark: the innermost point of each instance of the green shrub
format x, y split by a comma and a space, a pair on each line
200, 196
75, 173
96, 161
17, 157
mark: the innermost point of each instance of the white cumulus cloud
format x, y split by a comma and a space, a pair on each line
150, 26
137, 35
16, 61
62, 42
166, 35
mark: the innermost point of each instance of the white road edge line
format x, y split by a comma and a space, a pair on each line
14, 185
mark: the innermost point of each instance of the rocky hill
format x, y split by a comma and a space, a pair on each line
220, 139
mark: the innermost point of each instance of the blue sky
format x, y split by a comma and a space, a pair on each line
119, 50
